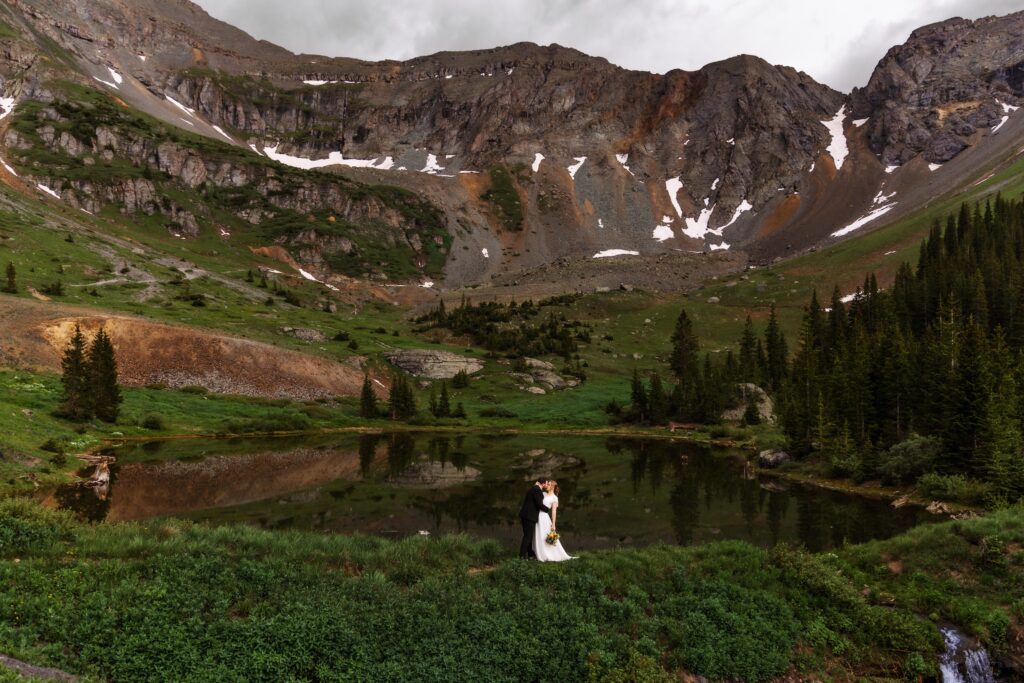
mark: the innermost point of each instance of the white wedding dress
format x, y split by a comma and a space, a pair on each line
547, 552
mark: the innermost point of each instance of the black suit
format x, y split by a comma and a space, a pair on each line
533, 505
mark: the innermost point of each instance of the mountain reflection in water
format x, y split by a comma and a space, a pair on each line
615, 492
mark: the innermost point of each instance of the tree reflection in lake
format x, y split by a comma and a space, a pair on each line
615, 492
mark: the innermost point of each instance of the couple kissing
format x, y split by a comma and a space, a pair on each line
538, 516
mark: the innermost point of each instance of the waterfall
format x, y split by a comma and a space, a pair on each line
961, 663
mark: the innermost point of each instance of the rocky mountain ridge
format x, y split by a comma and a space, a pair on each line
530, 153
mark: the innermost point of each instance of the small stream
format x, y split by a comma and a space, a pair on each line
964, 661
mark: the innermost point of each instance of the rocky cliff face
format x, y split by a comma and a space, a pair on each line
948, 82
528, 153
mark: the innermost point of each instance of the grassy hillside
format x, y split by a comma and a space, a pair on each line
235, 603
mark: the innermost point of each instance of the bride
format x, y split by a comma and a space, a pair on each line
548, 552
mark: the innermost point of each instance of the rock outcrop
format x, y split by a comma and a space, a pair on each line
752, 393
430, 364
770, 459
950, 80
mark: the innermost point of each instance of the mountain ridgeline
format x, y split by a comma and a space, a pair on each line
460, 167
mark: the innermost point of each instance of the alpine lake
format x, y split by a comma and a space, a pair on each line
615, 491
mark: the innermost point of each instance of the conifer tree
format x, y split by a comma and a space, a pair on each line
657, 401
444, 406
748, 353
638, 398
775, 352
432, 401
75, 379
11, 286
368, 400
401, 400
685, 348
105, 395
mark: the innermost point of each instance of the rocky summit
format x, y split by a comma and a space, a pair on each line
464, 167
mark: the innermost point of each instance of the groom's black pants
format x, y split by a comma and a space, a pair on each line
526, 547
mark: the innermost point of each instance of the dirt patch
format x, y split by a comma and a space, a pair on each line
780, 216
177, 356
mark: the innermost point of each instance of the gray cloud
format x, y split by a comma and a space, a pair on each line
836, 43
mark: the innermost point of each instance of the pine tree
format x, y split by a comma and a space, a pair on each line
776, 353
11, 287
685, 348
444, 406
105, 394
638, 398
368, 400
75, 379
748, 353
401, 400
460, 410
432, 401
657, 401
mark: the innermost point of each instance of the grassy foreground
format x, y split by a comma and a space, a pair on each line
171, 600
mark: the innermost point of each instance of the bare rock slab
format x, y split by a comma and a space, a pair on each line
430, 364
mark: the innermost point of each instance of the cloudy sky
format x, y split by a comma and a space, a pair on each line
838, 43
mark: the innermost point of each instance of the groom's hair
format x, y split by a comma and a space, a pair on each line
542, 480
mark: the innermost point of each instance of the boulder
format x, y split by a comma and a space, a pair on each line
304, 333
752, 392
772, 458
431, 364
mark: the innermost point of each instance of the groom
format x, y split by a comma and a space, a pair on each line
528, 514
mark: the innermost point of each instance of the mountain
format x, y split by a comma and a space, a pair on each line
475, 166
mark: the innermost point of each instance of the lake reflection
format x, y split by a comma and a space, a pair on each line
615, 492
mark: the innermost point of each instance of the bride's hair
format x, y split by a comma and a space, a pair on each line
554, 486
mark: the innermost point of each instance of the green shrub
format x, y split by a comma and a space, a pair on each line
287, 422
497, 411
505, 199
953, 487
28, 527
54, 445
195, 389
908, 460
153, 422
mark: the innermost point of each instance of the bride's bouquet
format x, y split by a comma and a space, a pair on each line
552, 537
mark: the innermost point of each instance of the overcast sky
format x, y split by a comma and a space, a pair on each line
836, 42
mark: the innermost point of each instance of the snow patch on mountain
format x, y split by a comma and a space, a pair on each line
615, 252
6, 106
47, 190
537, 158
333, 159
663, 231
576, 167
431, 166
837, 148
221, 131
672, 186
622, 159
179, 105
864, 220
698, 227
